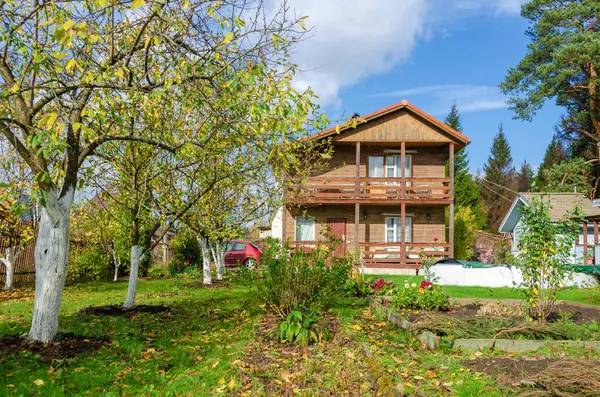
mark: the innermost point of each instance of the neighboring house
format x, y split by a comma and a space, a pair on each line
385, 191
561, 204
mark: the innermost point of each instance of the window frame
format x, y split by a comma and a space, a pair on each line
397, 227
304, 218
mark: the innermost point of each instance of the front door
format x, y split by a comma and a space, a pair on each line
338, 229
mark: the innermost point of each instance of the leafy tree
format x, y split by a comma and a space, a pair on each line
545, 248
561, 63
69, 67
464, 233
555, 153
524, 177
497, 183
571, 175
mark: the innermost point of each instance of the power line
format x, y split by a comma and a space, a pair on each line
495, 192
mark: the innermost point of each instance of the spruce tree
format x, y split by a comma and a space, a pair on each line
497, 183
524, 178
555, 153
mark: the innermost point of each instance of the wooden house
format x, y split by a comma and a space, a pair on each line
385, 191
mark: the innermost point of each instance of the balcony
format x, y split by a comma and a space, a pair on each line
373, 190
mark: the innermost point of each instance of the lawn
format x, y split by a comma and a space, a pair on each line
583, 295
220, 342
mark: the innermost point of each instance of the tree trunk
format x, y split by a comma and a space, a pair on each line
136, 258
117, 263
51, 258
9, 260
203, 241
220, 260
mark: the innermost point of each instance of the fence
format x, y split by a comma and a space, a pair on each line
24, 265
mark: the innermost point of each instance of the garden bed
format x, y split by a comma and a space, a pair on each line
67, 345
117, 310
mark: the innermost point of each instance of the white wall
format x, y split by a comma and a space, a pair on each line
277, 224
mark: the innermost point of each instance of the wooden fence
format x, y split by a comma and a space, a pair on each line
24, 265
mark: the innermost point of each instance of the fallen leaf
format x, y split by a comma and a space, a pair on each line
215, 364
38, 382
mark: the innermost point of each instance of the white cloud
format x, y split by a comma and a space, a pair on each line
356, 39
470, 98
353, 40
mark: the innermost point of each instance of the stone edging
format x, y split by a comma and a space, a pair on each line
431, 340
522, 346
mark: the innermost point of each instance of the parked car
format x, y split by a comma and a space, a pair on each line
240, 252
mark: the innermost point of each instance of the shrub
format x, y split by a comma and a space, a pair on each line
89, 263
186, 251
464, 233
426, 296
302, 327
313, 279
356, 288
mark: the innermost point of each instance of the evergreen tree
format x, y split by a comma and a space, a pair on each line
555, 153
524, 178
466, 193
498, 181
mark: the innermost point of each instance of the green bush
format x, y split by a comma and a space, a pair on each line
312, 279
186, 250
89, 263
426, 296
302, 327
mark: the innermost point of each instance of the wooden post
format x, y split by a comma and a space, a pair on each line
595, 233
451, 209
403, 167
403, 233
357, 205
357, 169
585, 243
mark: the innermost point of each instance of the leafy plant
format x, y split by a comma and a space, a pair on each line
545, 249
302, 327
427, 296
464, 233
356, 288
314, 278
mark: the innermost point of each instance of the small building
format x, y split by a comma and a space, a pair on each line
586, 250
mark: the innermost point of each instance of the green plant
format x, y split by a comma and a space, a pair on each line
464, 233
545, 249
302, 327
88, 263
186, 249
314, 278
426, 296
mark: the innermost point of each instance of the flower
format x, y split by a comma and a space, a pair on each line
413, 285
435, 239
378, 284
407, 285
425, 284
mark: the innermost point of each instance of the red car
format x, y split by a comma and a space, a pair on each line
242, 253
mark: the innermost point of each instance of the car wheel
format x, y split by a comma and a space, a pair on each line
250, 264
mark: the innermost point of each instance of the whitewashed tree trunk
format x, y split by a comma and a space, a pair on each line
51, 259
136, 258
203, 241
117, 263
220, 260
9, 259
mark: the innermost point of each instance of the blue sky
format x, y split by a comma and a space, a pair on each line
377, 52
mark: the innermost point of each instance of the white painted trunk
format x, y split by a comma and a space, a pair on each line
220, 261
51, 258
205, 260
136, 258
117, 263
9, 260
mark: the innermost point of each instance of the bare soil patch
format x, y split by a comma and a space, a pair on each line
116, 310
215, 285
66, 345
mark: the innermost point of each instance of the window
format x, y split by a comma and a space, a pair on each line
393, 230
391, 168
305, 229
235, 247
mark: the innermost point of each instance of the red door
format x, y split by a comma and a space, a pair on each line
338, 229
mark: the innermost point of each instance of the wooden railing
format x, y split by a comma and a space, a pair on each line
390, 254
373, 189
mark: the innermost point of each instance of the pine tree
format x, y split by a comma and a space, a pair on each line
524, 177
555, 153
498, 181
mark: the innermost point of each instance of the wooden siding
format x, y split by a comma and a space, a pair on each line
373, 228
396, 126
428, 162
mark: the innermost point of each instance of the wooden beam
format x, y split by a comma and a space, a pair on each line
585, 243
451, 209
595, 232
403, 233
403, 166
356, 226
357, 169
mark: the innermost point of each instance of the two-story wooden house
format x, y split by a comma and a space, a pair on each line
385, 191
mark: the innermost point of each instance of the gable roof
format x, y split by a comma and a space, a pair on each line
404, 104
560, 203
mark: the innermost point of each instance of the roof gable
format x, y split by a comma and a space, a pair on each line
402, 121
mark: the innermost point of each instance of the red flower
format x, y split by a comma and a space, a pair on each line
378, 284
425, 284
435, 239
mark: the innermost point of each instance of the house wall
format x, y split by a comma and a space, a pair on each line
428, 162
372, 229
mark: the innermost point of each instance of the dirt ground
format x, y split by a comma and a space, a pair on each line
65, 346
116, 310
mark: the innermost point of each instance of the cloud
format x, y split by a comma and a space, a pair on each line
470, 98
354, 40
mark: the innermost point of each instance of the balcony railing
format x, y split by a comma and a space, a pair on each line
335, 189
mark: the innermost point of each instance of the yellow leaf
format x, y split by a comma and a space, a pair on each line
137, 3
231, 385
68, 25
103, 3
38, 382
356, 327
70, 65
15, 88
215, 364
51, 120
222, 381
228, 38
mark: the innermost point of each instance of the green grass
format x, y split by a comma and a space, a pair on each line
191, 349
583, 295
